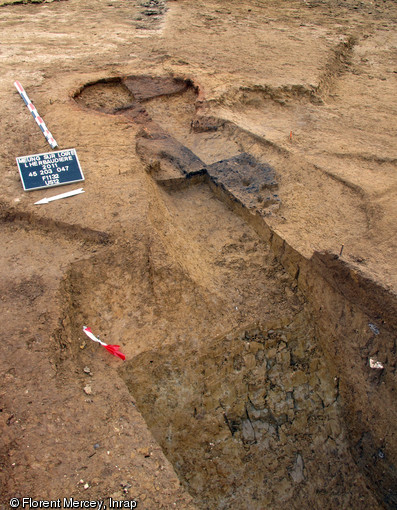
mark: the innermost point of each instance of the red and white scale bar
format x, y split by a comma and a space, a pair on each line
40, 122
113, 349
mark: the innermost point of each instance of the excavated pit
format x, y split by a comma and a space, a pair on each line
177, 142
250, 419
274, 403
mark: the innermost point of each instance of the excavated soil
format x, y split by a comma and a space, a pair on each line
236, 238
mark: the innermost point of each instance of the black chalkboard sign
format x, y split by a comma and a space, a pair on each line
49, 169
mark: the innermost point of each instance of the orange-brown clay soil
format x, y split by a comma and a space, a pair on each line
236, 237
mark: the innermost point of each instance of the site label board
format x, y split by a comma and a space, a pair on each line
49, 169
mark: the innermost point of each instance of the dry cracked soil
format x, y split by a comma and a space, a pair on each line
236, 237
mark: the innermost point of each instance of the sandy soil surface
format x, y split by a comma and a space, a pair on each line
308, 87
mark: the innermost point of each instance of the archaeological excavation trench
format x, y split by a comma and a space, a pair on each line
259, 390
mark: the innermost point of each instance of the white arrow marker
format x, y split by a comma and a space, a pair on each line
62, 195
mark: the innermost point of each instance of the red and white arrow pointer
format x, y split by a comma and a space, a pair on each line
113, 349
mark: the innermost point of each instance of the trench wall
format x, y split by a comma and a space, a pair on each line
346, 306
